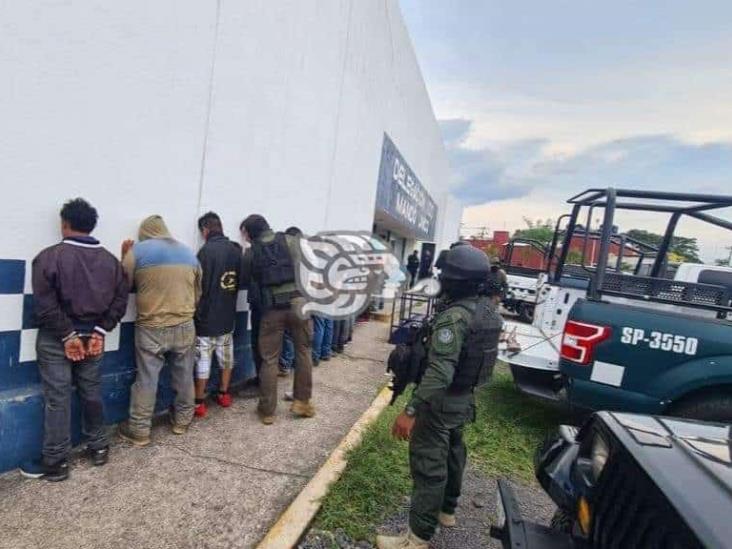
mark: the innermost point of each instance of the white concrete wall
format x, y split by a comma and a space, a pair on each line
449, 222
107, 101
181, 106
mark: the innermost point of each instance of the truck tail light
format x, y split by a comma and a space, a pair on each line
580, 339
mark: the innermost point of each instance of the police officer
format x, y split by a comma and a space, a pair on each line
269, 270
498, 279
462, 351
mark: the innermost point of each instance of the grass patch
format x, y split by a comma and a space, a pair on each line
502, 441
508, 429
374, 482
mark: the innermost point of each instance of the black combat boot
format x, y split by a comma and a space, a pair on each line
98, 457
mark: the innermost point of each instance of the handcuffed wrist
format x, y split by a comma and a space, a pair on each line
72, 335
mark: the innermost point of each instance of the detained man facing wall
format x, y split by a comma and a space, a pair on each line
167, 277
80, 294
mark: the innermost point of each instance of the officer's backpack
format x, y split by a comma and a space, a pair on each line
271, 262
407, 362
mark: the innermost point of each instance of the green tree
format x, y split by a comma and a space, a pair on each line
539, 230
574, 257
685, 247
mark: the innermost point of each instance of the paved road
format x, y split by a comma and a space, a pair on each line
221, 485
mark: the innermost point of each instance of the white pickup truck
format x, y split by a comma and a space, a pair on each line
521, 294
523, 282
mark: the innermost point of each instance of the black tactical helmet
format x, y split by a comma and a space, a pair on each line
464, 263
443, 254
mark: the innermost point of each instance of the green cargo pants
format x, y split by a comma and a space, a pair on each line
437, 456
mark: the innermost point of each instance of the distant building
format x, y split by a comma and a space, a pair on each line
526, 255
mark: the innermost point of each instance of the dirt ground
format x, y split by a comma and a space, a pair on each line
474, 516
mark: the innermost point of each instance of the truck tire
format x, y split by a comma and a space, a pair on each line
526, 312
562, 522
706, 407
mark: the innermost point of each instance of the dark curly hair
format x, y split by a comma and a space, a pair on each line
80, 215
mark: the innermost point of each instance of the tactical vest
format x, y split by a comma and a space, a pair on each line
271, 262
480, 348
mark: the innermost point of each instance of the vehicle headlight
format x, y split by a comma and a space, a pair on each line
599, 455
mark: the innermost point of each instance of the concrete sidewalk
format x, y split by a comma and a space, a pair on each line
221, 485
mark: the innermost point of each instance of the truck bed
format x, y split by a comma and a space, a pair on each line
536, 368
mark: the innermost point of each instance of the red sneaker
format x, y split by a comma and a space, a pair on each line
200, 410
224, 400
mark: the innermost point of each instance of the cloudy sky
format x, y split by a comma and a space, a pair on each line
538, 100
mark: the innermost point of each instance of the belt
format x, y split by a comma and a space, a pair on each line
285, 297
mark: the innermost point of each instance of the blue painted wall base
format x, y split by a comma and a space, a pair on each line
21, 396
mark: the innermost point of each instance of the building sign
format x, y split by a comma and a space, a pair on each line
402, 197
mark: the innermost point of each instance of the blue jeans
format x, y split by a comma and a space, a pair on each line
322, 337
325, 347
287, 357
318, 326
338, 331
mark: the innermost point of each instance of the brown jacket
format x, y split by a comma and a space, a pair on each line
78, 286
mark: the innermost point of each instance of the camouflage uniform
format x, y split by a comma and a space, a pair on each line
437, 453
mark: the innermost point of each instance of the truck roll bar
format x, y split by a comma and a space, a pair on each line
649, 288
